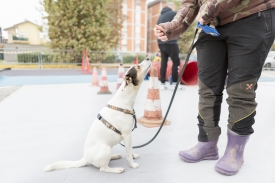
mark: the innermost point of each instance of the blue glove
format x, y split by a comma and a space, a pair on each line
208, 30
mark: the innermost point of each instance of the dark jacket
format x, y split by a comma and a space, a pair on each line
166, 15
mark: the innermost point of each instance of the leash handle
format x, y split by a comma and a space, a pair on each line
208, 30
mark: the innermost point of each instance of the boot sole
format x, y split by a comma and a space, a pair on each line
195, 161
225, 172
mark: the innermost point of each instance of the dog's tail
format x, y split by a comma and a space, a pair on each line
65, 164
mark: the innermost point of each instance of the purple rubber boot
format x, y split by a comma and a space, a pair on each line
232, 159
202, 151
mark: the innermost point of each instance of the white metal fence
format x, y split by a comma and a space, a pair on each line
52, 56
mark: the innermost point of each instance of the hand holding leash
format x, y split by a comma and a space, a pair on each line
208, 30
160, 33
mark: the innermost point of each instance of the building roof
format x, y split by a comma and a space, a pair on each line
26, 21
155, 2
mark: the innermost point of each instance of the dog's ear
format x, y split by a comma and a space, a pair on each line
131, 77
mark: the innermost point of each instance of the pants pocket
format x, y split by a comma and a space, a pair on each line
264, 15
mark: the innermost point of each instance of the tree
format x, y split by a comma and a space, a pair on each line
83, 24
115, 21
185, 39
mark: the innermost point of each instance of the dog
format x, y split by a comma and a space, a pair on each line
112, 126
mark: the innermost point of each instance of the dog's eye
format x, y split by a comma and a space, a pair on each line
138, 67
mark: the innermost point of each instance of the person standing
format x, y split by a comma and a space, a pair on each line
247, 32
168, 48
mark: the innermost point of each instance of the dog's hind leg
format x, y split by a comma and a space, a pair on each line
102, 158
116, 156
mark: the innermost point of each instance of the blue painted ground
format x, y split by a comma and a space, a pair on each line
42, 80
69, 79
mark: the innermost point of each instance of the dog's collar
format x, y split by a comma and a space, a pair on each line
106, 123
126, 111
120, 109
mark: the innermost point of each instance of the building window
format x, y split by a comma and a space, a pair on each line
137, 26
137, 48
124, 47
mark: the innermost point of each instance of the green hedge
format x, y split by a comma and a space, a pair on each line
72, 57
28, 57
109, 59
113, 58
128, 59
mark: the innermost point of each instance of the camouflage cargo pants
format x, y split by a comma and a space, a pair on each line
239, 52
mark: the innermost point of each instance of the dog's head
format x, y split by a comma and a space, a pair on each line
135, 74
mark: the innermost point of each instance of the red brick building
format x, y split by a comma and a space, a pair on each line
134, 32
137, 31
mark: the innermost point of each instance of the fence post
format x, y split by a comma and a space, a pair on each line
40, 59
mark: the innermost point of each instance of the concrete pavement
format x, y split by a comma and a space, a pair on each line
7, 91
41, 124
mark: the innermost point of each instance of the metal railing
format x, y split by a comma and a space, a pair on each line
54, 56
47, 56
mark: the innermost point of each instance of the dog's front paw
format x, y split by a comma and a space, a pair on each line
134, 165
135, 156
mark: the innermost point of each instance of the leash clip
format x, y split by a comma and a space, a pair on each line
208, 30
99, 116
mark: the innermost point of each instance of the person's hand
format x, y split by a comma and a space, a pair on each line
202, 22
199, 19
160, 33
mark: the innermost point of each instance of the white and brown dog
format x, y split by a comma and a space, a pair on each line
113, 124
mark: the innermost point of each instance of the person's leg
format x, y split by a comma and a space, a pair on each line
212, 65
248, 45
249, 41
164, 60
174, 55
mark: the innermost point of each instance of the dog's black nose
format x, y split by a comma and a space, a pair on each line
147, 59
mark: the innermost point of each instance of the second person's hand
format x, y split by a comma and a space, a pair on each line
160, 33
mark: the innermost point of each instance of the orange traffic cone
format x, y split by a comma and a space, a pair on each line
153, 113
95, 78
136, 61
120, 76
104, 89
87, 63
83, 65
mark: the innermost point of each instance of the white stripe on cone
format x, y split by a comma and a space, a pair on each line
104, 83
152, 105
153, 83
